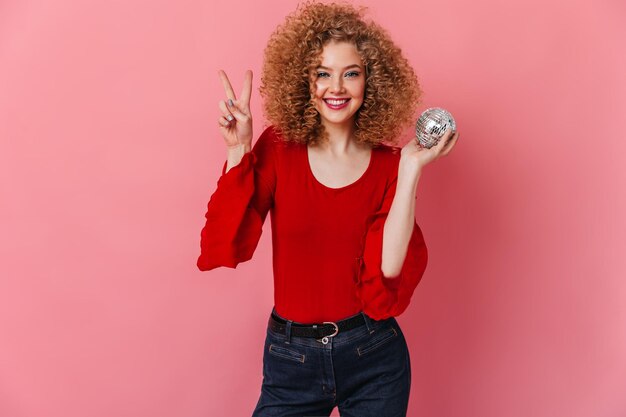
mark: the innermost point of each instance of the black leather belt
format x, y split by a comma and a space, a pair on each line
318, 331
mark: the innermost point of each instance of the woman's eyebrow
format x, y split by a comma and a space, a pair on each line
348, 67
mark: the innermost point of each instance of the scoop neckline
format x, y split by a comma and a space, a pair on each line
355, 182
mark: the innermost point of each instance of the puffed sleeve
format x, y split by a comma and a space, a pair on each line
237, 209
383, 297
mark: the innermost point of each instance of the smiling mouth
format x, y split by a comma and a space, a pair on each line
336, 104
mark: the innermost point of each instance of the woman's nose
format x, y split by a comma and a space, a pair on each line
337, 85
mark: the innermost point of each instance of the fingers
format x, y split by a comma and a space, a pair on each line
246, 91
232, 113
224, 122
226, 83
226, 113
443, 140
450, 144
235, 109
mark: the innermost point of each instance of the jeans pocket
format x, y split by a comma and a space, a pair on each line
285, 353
378, 339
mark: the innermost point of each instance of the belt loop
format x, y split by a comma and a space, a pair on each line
288, 331
368, 322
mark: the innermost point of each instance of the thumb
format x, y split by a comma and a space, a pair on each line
239, 113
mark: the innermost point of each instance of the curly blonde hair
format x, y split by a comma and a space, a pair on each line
294, 51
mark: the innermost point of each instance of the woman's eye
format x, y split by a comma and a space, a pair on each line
322, 75
352, 74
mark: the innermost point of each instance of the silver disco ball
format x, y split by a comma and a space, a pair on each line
431, 126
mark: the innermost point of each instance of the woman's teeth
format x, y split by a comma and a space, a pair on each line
336, 102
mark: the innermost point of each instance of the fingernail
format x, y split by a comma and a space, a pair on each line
229, 118
230, 102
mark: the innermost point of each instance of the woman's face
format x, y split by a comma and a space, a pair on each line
339, 84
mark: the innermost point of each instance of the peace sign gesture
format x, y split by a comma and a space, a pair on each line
236, 119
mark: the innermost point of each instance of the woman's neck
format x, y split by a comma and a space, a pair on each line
340, 139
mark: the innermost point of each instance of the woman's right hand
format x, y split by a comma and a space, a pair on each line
236, 119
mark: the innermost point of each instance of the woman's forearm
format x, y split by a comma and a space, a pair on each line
400, 221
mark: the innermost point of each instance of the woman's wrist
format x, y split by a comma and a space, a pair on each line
235, 154
408, 174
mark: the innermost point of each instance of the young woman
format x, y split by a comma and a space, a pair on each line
347, 252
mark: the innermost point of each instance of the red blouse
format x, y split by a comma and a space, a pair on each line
327, 242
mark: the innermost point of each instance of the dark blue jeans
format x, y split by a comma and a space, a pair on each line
365, 372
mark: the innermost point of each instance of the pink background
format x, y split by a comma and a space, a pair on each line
109, 152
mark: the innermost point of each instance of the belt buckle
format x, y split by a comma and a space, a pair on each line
325, 339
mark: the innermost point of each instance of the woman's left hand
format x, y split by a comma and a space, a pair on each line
417, 157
